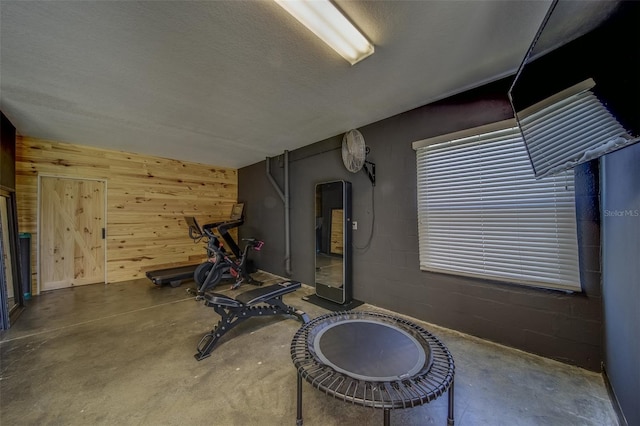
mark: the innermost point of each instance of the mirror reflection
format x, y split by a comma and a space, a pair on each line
329, 219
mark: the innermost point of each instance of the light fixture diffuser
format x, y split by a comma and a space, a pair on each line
331, 26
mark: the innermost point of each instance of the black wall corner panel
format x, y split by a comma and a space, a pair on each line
621, 276
7, 154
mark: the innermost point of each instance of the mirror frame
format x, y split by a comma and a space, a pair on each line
343, 294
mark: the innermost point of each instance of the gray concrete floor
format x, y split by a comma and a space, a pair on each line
123, 354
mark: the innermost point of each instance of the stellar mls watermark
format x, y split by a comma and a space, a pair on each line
622, 213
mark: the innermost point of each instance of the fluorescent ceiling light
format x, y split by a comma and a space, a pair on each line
326, 21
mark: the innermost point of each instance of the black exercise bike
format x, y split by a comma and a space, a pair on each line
221, 264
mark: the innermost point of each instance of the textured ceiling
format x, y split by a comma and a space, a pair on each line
229, 83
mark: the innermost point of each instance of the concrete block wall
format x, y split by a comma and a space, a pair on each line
562, 326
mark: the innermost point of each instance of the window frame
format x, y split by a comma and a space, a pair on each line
569, 274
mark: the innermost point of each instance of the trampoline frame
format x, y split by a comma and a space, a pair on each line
432, 381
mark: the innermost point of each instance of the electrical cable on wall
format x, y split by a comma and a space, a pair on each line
373, 223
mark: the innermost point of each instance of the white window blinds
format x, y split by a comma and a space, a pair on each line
570, 128
482, 213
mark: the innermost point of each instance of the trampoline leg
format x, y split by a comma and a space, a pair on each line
450, 418
299, 396
387, 417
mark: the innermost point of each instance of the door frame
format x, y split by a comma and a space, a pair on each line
56, 176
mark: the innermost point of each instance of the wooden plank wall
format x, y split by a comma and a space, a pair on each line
147, 198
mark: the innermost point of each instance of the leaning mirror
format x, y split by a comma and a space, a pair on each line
333, 241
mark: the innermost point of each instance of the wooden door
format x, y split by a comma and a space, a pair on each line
72, 220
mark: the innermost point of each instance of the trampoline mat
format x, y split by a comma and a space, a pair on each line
370, 350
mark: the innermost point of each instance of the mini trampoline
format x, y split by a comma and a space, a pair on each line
372, 359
